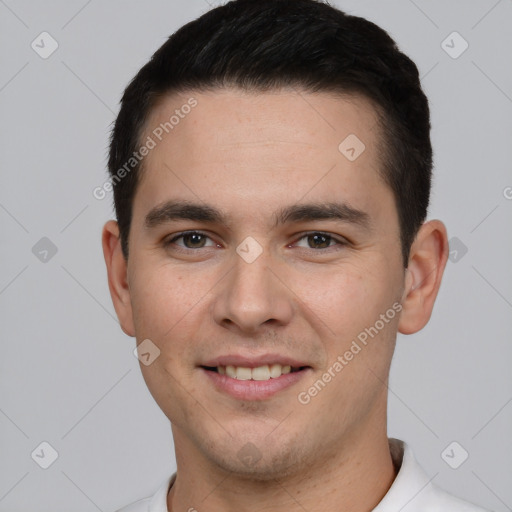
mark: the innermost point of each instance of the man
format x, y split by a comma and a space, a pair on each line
271, 169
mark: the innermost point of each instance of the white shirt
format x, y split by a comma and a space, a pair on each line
411, 490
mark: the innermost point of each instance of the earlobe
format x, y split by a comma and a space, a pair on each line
427, 261
117, 276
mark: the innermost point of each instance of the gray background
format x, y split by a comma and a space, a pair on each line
67, 372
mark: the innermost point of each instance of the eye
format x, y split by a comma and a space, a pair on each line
191, 240
197, 240
318, 240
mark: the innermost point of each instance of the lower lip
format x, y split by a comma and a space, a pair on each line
254, 389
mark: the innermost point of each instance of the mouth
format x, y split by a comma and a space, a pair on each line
258, 373
253, 379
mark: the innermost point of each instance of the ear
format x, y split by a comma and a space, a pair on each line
117, 276
427, 261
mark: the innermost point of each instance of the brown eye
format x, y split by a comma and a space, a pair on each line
194, 240
191, 240
319, 241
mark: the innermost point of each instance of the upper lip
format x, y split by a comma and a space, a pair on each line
253, 361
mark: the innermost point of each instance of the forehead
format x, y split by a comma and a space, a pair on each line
224, 118
260, 148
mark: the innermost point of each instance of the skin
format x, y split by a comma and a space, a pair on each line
250, 154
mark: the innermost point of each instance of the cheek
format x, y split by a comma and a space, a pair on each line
361, 348
170, 307
164, 297
352, 306
166, 304
350, 298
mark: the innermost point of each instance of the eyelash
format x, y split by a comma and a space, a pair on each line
340, 241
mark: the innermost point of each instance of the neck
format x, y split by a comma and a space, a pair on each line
353, 476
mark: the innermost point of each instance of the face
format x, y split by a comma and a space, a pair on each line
266, 276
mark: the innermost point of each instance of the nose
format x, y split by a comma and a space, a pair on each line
253, 296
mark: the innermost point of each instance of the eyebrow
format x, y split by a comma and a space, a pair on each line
186, 210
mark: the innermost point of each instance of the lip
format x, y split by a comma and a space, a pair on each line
253, 389
254, 362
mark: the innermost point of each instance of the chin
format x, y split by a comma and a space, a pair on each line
260, 461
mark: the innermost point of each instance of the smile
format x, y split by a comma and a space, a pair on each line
253, 383
260, 373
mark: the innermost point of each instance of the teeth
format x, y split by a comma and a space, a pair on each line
275, 370
243, 373
266, 372
230, 371
261, 373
